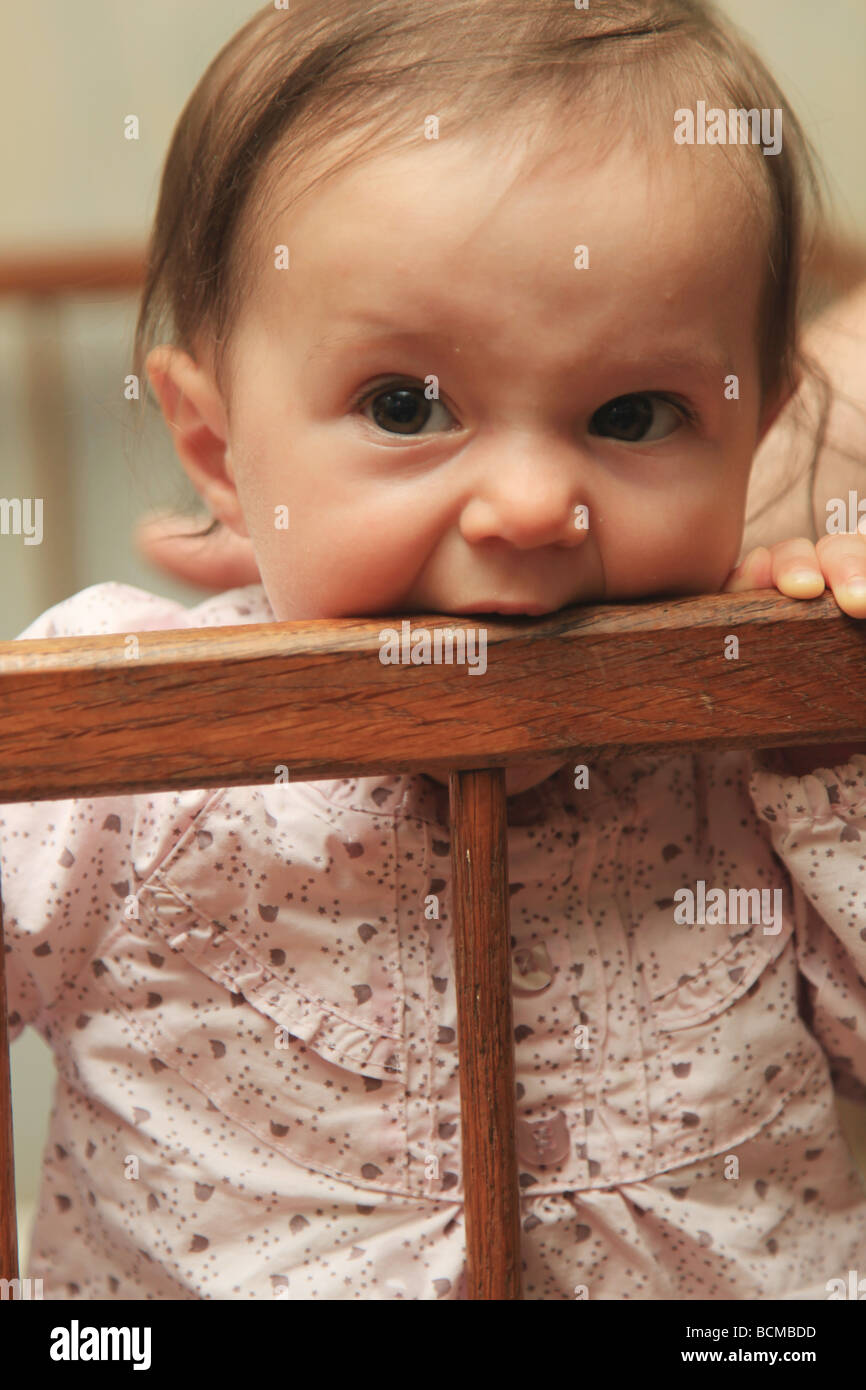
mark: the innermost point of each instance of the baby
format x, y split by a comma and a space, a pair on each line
457, 323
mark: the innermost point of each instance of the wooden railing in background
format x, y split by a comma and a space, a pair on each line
52, 274
223, 706
43, 282
837, 263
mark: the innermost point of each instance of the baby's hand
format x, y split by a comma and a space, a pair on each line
798, 569
222, 561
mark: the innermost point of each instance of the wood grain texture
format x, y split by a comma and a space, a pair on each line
8, 1219
485, 1033
216, 707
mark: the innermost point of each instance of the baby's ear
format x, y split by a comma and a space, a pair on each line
194, 412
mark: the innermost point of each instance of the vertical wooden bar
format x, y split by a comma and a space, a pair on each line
8, 1219
51, 473
485, 1032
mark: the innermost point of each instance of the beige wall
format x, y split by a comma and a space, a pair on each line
817, 53
70, 74
72, 175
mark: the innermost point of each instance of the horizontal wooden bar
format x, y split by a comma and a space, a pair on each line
213, 707
837, 263
38, 274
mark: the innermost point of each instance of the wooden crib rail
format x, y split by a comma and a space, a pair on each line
212, 707
222, 706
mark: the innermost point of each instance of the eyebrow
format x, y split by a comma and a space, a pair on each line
390, 333
688, 359
692, 360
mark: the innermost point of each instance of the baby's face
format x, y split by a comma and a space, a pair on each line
559, 388
583, 447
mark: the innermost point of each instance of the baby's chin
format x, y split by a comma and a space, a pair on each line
517, 779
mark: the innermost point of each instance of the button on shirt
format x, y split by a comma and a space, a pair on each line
543, 1142
531, 970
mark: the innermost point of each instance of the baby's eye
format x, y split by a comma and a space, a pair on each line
403, 409
638, 418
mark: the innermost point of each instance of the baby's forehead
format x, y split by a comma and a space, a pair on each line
530, 279
444, 212
492, 173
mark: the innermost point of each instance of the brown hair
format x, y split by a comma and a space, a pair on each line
290, 82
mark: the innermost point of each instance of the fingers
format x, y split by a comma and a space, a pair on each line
795, 570
791, 567
756, 572
843, 560
221, 561
802, 569
151, 529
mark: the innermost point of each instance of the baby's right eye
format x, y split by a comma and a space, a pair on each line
402, 409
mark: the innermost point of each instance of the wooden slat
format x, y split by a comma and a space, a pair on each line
485, 1033
51, 461
836, 265
8, 1217
115, 269
224, 706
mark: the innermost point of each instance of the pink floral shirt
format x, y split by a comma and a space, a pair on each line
249, 994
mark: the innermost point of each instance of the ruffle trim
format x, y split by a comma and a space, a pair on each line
318, 1024
826, 794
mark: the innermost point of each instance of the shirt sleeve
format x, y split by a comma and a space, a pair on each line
65, 866
817, 824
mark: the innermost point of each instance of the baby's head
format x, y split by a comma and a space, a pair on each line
456, 322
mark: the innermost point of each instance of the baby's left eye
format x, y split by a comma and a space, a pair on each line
638, 419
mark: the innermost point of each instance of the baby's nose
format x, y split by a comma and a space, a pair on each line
530, 490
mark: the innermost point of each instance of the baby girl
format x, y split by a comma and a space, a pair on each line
444, 318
